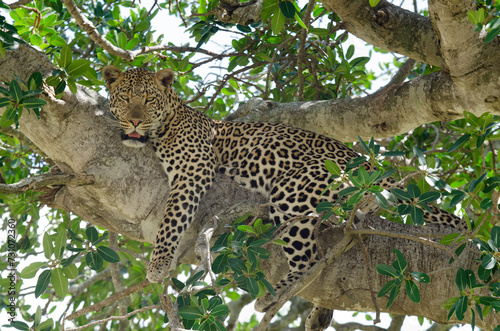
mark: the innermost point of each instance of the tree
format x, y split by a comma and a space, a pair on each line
61, 149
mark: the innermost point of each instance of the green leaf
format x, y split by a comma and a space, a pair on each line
373, 3
449, 238
488, 262
19, 325
429, 196
195, 277
4, 102
412, 291
495, 236
220, 310
15, 91
48, 249
71, 271
78, 68
278, 21
459, 142
287, 8
59, 244
31, 270
419, 154
400, 264
420, 277
43, 282
253, 286
400, 194
45, 324
94, 261
393, 295
59, 282
268, 8
332, 167
461, 279
220, 264
461, 307
190, 313
387, 270
386, 288
247, 229
65, 56
108, 254
417, 215
92, 234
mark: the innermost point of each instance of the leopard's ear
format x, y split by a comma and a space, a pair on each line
164, 78
112, 75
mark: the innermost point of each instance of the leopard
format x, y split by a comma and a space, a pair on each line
285, 164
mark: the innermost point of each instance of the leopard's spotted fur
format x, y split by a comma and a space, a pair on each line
285, 164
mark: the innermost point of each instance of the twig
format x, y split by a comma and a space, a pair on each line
114, 318
115, 297
40, 182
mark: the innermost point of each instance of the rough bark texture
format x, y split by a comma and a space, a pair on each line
468, 82
131, 188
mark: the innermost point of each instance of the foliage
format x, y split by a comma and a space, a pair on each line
294, 53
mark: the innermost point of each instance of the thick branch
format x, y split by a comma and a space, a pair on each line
389, 27
460, 45
41, 182
389, 112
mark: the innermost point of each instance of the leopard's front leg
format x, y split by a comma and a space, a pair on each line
181, 208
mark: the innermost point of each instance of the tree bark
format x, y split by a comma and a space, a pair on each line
130, 190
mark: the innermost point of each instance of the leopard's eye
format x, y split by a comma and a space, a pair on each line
150, 100
124, 97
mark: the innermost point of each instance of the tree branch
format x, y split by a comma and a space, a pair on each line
91, 30
389, 27
460, 45
386, 113
41, 182
106, 302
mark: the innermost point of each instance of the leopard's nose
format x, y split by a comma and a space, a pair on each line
135, 122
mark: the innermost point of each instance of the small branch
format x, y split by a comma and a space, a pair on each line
91, 30
40, 182
19, 3
118, 283
115, 297
403, 73
115, 318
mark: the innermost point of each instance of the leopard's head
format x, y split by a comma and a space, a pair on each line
138, 100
